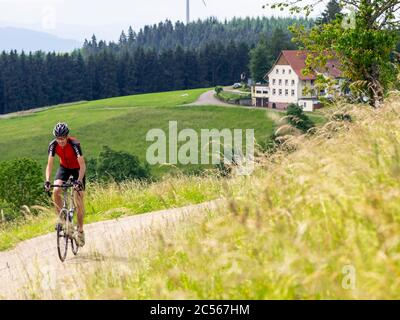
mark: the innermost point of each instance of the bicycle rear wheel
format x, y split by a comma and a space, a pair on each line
74, 244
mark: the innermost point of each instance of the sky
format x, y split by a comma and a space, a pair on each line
79, 19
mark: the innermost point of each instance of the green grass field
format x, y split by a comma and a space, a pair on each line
122, 123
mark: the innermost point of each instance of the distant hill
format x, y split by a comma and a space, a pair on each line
28, 40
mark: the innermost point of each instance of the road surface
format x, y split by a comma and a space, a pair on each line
33, 269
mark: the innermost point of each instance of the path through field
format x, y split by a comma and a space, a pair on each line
33, 269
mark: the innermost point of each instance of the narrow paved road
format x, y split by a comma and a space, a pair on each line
208, 98
35, 264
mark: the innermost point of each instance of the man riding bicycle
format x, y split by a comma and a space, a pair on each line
71, 163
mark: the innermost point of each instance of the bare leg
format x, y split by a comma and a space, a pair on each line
80, 208
57, 197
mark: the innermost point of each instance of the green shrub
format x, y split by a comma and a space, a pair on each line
21, 182
218, 89
298, 119
117, 166
8, 212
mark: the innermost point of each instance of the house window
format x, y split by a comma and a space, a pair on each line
277, 71
312, 82
280, 92
258, 91
274, 91
290, 71
286, 82
280, 82
273, 81
292, 92
283, 71
292, 82
286, 92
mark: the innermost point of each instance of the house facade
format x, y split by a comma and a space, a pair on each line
286, 83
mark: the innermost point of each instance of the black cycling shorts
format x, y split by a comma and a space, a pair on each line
64, 174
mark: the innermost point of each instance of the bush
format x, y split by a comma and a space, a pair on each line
298, 119
7, 211
218, 89
117, 166
21, 182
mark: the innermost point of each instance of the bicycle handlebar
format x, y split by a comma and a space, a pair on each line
65, 185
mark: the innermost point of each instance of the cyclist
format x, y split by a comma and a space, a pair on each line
71, 163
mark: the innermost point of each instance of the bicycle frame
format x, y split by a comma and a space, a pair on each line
65, 186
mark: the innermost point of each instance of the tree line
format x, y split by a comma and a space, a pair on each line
158, 58
166, 35
39, 79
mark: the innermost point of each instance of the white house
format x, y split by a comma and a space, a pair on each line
285, 83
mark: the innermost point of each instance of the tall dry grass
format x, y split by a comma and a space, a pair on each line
318, 220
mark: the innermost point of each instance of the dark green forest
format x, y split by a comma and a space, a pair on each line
157, 58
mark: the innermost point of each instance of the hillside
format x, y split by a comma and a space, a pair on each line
122, 124
28, 40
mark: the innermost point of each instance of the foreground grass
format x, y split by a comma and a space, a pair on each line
104, 202
319, 223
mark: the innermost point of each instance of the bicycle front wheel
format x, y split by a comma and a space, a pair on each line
62, 242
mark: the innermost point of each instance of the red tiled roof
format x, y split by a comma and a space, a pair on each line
297, 60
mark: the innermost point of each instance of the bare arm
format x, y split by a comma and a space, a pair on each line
49, 167
82, 169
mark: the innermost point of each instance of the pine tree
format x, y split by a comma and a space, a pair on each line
332, 11
122, 40
260, 61
131, 36
280, 40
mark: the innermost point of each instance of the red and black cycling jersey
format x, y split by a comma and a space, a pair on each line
69, 154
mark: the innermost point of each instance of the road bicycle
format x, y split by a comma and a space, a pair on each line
66, 229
